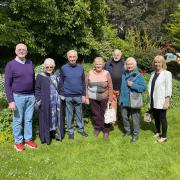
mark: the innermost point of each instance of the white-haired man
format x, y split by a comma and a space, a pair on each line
19, 87
72, 85
116, 68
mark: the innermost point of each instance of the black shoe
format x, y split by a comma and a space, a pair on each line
52, 134
57, 139
71, 136
134, 139
126, 134
83, 134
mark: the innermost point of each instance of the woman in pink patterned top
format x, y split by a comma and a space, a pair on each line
99, 92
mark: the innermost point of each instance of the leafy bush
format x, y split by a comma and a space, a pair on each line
144, 48
1, 83
145, 58
175, 99
5, 125
174, 67
110, 41
3, 102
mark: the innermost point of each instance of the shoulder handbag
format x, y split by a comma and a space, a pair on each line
148, 116
136, 99
110, 115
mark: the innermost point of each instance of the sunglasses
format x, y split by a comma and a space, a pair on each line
49, 67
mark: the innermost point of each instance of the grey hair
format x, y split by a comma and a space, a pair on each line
130, 59
21, 45
117, 50
49, 61
72, 51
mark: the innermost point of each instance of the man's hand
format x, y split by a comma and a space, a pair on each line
12, 106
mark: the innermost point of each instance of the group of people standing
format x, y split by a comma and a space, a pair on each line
60, 97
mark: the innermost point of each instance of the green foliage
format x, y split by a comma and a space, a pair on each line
110, 41
3, 102
53, 27
141, 13
174, 26
174, 67
175, 99
38, 69
87, 67
144, 48
5, 125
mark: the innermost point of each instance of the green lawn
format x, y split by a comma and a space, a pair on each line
96, 158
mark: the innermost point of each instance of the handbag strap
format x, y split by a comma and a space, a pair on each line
43, 74
135, 77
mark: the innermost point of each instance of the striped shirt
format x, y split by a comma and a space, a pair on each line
99, 85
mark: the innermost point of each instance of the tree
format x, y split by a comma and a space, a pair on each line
53, 26
141, 14
174, 26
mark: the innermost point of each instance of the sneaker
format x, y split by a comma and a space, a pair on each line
83, 133
134, 139
19, 147
31, 144
157, 135
162, 140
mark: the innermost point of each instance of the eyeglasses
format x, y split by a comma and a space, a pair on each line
49, 67
21, 50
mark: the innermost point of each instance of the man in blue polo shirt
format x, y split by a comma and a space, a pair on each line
19, 87
72, 85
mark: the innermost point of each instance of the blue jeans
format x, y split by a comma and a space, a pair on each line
24, 110
74, 104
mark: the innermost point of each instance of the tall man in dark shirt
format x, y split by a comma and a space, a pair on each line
116, 68
19, 87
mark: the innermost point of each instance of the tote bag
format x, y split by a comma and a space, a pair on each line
110, 115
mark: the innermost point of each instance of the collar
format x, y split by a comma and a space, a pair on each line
70, 65
20, 61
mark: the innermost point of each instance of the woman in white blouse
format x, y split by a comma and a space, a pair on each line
160, 90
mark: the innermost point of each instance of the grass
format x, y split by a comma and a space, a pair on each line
95, 158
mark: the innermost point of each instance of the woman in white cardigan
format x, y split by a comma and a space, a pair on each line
160, 90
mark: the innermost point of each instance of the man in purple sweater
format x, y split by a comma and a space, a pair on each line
19, 87
72, 84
